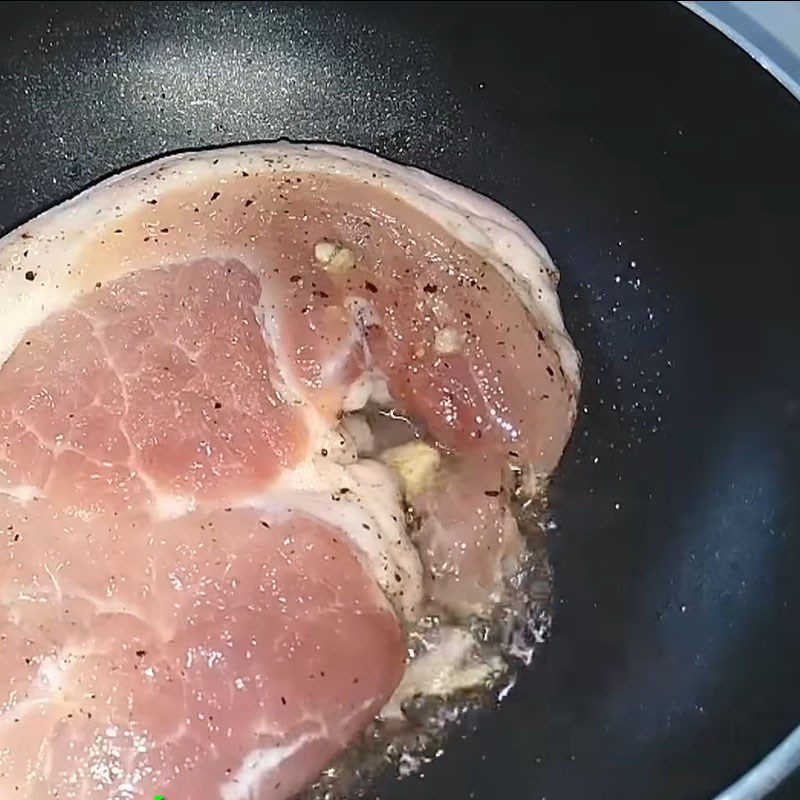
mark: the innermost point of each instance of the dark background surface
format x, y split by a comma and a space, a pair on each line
660, 166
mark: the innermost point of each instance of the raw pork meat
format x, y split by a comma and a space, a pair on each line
198, 561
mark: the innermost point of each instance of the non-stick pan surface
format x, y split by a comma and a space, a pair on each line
660, 165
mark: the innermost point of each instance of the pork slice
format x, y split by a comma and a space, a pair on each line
220, 655
189, 600
468, 538
157, 384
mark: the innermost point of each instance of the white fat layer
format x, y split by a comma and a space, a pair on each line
170, 506
360, 433
372, 383
22, 493
268, 315
358, 393
289, 386
451, 663
257, 765
363, 500
49, 243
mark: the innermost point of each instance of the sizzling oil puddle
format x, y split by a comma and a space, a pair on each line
415, 731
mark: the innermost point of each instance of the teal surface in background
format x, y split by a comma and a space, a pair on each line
768, 31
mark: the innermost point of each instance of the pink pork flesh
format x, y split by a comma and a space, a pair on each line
156, 636
142, 656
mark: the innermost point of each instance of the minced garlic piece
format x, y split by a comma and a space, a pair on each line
416, 463
335, 257
448, 341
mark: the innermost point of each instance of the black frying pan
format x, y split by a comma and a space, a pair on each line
660, 166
